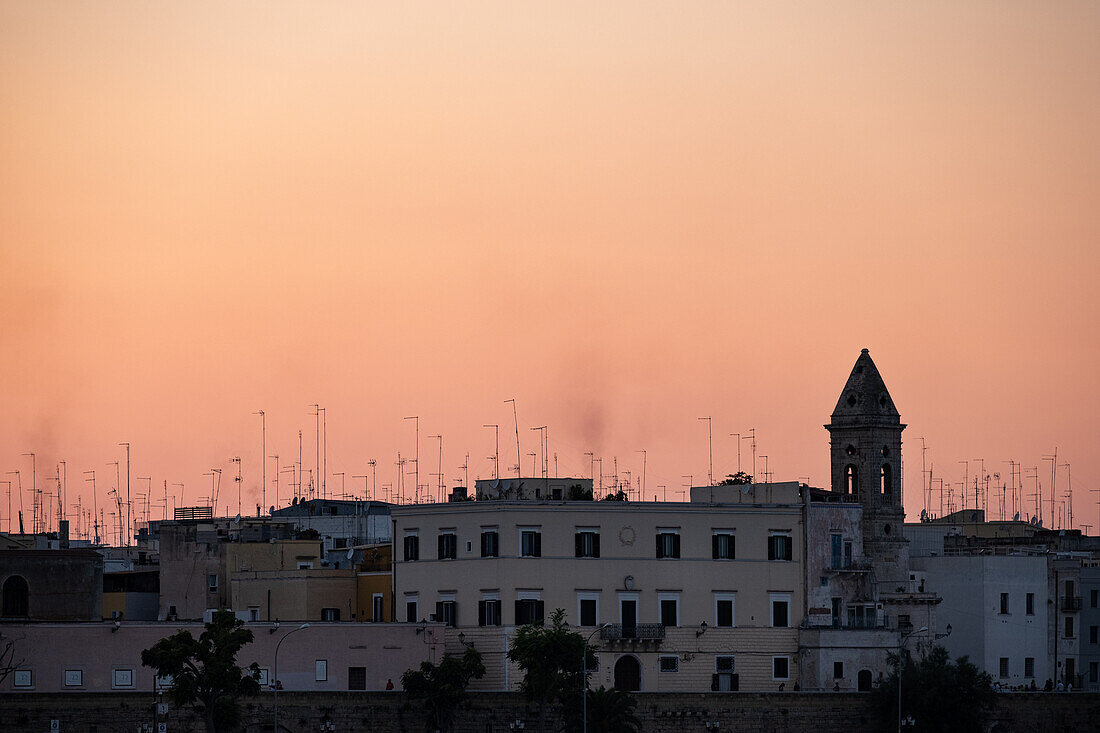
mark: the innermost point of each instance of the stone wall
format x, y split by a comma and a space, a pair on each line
494, 712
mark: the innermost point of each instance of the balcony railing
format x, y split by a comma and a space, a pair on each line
640, 632
1070, 603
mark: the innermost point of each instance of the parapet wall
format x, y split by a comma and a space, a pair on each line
659, 712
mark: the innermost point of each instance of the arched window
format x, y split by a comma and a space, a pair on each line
15, 595
863, 680
887, 481
851, 481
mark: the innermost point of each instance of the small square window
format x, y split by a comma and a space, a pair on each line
780, 546
212, 582
780, 668
74, 677
22, 678
670, 664
668, 544
722, 546
530, 543
123, 678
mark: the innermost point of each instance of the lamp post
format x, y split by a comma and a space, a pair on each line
584, 676
276, 670
901, 651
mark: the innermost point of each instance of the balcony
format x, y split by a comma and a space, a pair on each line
637, 632
1070, 603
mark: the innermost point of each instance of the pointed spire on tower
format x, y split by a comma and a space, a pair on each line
865, 397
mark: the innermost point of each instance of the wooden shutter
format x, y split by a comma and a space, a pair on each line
578, 544
481, 613
676, 545
539, 611
596, 544
714, 546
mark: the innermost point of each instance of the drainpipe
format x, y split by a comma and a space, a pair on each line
1054, 672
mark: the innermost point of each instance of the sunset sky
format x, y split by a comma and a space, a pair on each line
625, 216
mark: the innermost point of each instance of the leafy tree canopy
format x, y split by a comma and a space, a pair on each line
736, 479
577, 493
940, 695
443, 686
619, 495
204, 671
550, 657
612, 711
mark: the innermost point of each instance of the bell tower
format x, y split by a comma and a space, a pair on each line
865, 449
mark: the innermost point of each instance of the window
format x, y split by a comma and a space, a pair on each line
528, 611
724, 678
122, 678
1029, 604
838, 551
836, 612
1004, 603
377, 608
861, 617
305, 566
588, 608
321, 671
1094, 672
22, 678
838, 670
412, 547
723, 545
1094, 598
668, 606
16, 597
265, 677
330, 614
779, 546
448, 546
446, 610
1069, 627
74, 677
253, 613
723, 610
1092, 634
587, 543
212, 582
1004, 667
780, 668
669, 664
847, 554
530, 543
488, 612
780, 610
668, 543
411, 612
490, 543
357, 678
1029, 666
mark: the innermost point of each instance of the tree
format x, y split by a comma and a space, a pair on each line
940, 695
612, 711
578, 493
444, 686
8, 661
204, 671
551, 657
619, 495
736, 479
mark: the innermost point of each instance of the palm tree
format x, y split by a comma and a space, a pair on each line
612, 711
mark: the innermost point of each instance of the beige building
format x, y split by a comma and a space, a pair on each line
284, 580
701, 595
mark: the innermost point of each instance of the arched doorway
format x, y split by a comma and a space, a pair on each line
863, 680
15, 598
628, 674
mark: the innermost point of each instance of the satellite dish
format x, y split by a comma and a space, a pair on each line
923, 515
1016, 517
351, 552
1040, 524
237, 519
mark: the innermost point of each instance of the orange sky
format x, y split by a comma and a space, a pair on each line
624, 215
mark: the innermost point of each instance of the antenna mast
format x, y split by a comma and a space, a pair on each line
515, 418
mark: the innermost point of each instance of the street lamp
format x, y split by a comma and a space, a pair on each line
276, 666
584, 676
901, 651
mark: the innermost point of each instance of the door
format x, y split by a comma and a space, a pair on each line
628, 674
628, 612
